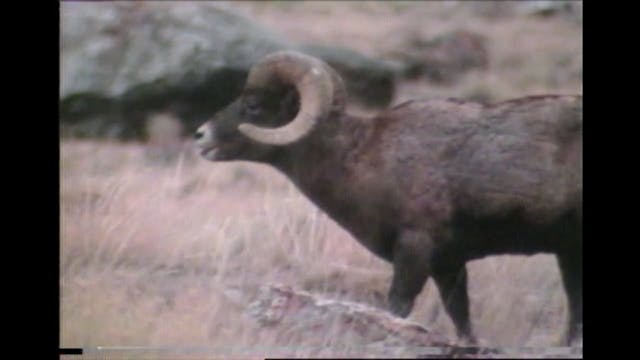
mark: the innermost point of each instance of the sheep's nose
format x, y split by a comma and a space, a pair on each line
203, 133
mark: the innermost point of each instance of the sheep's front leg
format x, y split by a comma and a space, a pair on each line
411, 269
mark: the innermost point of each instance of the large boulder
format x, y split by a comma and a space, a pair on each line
122, 62
495, 10
369, 81
442, 59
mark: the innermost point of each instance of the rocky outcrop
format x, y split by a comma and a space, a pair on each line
362, 328
369, 82
569, 9
355, 329
122, 61
442, 59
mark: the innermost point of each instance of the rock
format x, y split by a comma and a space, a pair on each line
444, 58
549, 7
495, 10
362, 328
370, 80
298, 317
122, 61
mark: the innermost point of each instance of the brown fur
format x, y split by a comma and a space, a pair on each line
430, 185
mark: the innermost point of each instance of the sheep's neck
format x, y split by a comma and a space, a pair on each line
319, 165
321, 171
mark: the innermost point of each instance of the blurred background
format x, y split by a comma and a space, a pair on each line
162, 248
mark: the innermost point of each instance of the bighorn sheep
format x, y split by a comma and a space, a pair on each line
426, 185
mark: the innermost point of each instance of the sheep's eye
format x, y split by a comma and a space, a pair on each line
252, 106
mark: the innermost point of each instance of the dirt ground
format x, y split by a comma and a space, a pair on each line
169, 254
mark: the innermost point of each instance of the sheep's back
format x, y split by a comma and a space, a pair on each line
449, 155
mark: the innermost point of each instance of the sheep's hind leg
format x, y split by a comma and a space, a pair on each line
411, 269
571, 270
452, 284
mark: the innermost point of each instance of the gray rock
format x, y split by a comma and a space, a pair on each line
370, 81
550, 7
444, 58
570, 9
122, 61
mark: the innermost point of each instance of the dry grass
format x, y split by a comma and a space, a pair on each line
168, 254
162, 255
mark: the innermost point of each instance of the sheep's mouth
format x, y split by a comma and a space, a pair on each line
210, 152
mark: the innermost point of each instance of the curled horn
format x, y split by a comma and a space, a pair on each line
317, 84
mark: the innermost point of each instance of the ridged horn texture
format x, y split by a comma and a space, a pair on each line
314, 82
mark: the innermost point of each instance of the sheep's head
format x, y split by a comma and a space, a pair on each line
285, 97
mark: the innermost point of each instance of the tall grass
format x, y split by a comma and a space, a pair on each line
171, 255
